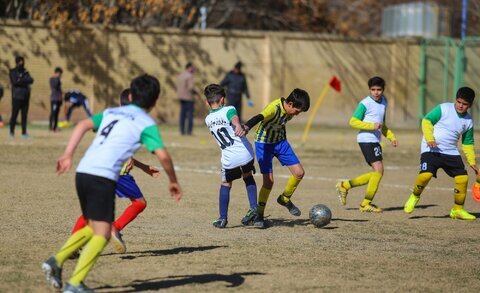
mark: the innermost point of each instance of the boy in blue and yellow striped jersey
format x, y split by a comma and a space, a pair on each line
271, 141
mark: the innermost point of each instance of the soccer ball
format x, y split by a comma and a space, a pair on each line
320, 215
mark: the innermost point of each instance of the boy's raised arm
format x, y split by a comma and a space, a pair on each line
65, 161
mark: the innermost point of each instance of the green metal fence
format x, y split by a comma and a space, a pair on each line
447, 64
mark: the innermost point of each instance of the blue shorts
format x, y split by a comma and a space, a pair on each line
127, 187
266, 151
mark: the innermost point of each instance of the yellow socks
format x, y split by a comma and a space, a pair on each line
358, 181
262, 199
73, 243
372, 186
290, 188
421, 182
87, 259
460, 190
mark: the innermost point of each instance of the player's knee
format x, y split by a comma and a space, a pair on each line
299, 174
140, 205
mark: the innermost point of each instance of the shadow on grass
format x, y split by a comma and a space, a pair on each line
288, 223
419, 207
431, 217
162, 252
349, 220
232, 280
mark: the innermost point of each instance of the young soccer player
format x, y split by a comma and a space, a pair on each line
369, 118
442, 128
237, 153
126, 188
271, 141
121, 132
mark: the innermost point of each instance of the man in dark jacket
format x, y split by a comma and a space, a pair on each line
236, 85
56, 98
21, 82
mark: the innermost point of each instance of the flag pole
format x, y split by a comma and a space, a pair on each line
315, 110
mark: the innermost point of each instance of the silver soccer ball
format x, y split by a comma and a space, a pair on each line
320, 215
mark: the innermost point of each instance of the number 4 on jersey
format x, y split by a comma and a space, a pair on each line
106, 130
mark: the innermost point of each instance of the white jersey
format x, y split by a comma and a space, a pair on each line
236, 151
121, 132
448, 130
373, 112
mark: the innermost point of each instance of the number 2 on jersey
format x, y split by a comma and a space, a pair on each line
223, 137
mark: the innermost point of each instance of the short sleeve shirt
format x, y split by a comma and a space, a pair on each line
120, 133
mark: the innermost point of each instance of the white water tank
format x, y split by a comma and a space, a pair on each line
416, 19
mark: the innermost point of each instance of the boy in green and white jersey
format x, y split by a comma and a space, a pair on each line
442, 128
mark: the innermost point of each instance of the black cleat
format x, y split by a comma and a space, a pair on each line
290, 206
249, 217
220, 223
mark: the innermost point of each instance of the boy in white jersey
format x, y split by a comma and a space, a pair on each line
120, 133
369, 117
126, 188
237, 153
442, 128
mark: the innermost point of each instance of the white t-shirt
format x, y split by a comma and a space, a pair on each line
373, 112
448, 129
121, 132
236, 151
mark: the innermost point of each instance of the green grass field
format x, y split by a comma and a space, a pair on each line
173, 246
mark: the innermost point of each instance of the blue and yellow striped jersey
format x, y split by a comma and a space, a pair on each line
272, 128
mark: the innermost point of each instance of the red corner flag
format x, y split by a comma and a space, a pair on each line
335, 83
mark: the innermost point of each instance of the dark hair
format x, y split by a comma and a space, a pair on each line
19, 59
58, 70
124, 97
189, 64
466, 93
238, 65
213, 93
376, 80
299, 99
145, 90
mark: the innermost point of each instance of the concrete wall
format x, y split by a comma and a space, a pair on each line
102, 62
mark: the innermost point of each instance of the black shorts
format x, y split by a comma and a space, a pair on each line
228, 175
452, 165
372, 151
97, 197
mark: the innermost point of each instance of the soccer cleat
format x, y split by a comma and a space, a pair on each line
259, 222
476, 192
342, 192
290, 206
26, 136
461, 215
370, 208
411, 203
220, 223
69, 288
249, 217
117, 241
53, 272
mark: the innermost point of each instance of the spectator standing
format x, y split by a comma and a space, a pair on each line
55, 98
186, 93
236, 85
21, 82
